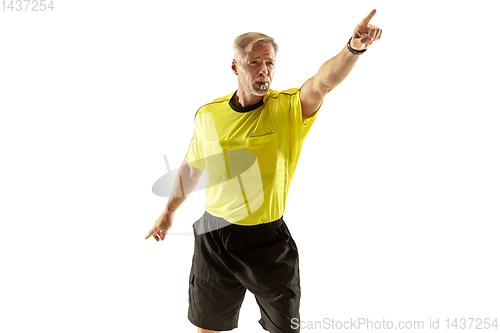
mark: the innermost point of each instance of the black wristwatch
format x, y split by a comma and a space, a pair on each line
352, 50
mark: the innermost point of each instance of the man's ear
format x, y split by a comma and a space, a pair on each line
234, 67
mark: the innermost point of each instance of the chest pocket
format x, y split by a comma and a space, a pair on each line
265, 147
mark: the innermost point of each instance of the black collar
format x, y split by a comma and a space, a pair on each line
245, 109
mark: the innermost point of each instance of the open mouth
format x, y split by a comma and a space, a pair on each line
262, 85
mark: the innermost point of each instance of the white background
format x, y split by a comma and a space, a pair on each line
394, 204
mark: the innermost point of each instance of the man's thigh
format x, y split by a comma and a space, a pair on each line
215, 294
275, 280
215, 305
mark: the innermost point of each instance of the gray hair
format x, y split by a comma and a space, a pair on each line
246, 41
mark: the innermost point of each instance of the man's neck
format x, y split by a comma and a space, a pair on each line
243, 100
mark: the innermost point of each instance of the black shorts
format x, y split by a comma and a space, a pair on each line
232, 258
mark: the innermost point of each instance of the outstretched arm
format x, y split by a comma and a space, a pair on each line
335, 70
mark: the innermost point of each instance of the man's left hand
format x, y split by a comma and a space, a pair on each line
365, 34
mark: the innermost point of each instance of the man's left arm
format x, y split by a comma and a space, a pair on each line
335, 70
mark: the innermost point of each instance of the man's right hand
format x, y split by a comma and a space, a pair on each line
160, 229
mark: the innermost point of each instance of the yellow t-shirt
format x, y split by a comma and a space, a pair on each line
249, 154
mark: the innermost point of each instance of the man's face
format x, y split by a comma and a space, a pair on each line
254, 68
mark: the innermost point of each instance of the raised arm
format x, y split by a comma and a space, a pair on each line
335, 70
185, 182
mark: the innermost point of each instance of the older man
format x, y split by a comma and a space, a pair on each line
249, 142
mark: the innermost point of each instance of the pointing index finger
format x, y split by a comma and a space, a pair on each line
150, 233
369, 17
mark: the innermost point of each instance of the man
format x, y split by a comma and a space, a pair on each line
250, 141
